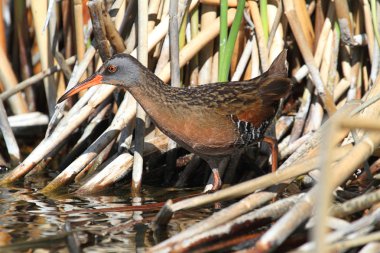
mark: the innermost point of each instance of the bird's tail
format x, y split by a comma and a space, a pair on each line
279, 66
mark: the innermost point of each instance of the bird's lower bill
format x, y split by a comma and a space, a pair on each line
89, 82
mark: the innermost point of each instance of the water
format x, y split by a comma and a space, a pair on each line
29, 219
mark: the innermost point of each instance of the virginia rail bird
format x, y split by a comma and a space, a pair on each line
213, 120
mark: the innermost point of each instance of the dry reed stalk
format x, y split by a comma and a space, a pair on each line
269, 212
231, 3
354, 73
215, 65
33, 80
112, 33
99, 115
278, 232
275, 21
326, 59
153, 15
99, 160
368, 27
355, 242
325, 186
96, 8
369, 124
291, 147
58, 136
333, 72
67, 28
355, 205
345, 23
255, 67
123, 116
276, 40
196, 44
303, 110
163, 12
9, 138
371, 247
20, 121
39, 10
247, 73
365, 223
164, 56
323, 57
294, 170
119, 167
3, 41
303, 151
208, 15
142, 56
315, 117
23, 45
238, 48
244, 59
342, 170
346, 62
305, 21
341, 88
262, 45
9, 80
157, 35
174, 44
78, 71
131, 42
319, 16
175, 73
309, 60
245, 205
194, 21
79, 34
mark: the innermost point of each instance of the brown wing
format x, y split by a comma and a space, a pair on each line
258, 100
257, 103
251, 101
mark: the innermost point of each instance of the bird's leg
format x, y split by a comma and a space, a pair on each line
274, 148
218, 166
217, 181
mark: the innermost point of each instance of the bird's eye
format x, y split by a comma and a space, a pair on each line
112, 68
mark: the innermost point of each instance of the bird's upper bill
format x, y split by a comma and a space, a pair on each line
89, 82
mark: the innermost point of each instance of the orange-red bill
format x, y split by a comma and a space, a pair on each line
92, 81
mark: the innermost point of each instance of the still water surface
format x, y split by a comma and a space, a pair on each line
29, 219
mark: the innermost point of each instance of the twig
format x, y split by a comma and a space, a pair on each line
123, 116
8, 78
196, 44
96, 8
79, 35
33, 80
261, 42
354, 205
142, 56
233, 211
276, 23
9, 138
306, 52
39, 10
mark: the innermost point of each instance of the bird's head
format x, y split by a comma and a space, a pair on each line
120, 70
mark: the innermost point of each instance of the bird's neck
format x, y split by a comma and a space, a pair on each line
152, 94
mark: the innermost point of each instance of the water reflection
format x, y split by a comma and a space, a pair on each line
26, 217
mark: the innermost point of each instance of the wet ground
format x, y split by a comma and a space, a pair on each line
30, 220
